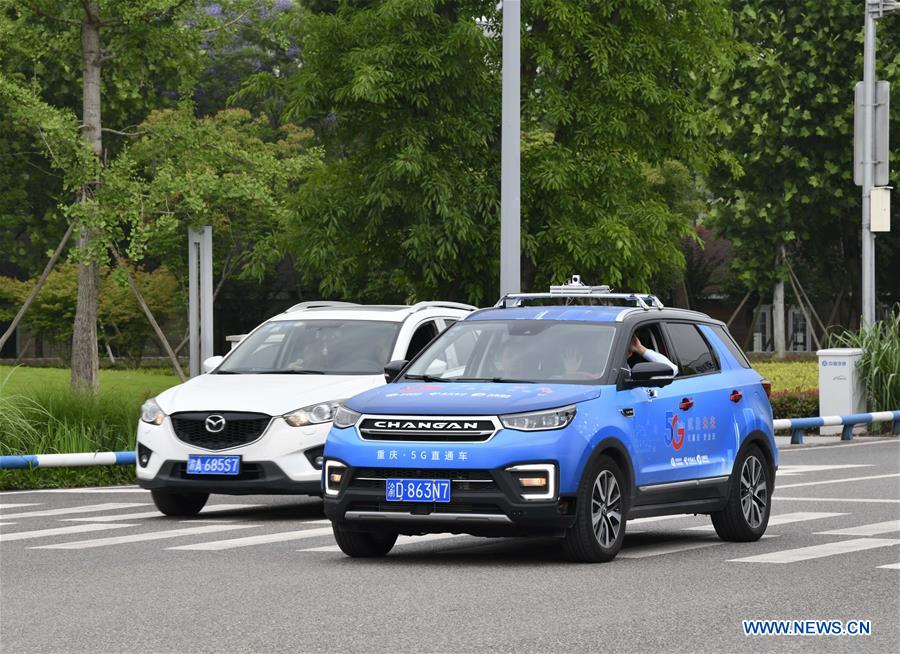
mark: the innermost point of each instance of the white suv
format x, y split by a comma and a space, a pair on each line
256, 421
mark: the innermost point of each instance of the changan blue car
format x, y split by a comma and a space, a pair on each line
538, 416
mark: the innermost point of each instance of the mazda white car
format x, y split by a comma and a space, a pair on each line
256, 420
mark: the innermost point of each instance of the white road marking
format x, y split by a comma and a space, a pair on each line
879, 500
881, 441
401, 541
792, 470
248, 541
783, 519
156, 514
874, 529
819, 551
640, 521
670, 547
58, 531
137, 538
5, 524
90, 508
834, 481
15, 506
890, 566
106, 489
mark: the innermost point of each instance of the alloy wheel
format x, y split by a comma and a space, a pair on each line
754, 493
606, 508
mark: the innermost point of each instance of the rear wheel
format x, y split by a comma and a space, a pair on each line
363, 544
599, 527
179, 504
746, 515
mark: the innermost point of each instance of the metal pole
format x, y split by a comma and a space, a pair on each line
206, 294
868, 165
510, 226
193, 302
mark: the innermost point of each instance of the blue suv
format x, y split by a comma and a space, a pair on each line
556, 414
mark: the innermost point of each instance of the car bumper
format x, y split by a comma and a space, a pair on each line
279, 461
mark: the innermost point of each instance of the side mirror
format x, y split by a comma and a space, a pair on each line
393, 369
646, 374
211, 363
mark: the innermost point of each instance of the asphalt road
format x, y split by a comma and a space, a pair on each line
99, 571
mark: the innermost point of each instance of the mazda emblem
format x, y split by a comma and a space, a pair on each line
214, 424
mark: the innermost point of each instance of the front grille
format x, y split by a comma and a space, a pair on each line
249, 471
425, 509
477, 480
239, 429
427, 429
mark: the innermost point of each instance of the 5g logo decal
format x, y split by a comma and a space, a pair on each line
674, 431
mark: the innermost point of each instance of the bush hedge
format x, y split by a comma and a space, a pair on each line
797, 403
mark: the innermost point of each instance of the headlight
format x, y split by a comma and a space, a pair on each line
539, 420
314, 414
150, 412
345, 417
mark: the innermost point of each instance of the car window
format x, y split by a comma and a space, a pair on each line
650, 336
691, 350
562, 351
728, 342
332, 347
420, 338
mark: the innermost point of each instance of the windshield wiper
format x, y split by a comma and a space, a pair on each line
288, 371
426, 378
496, 380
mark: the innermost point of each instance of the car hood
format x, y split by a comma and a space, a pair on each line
271, 394
421, 398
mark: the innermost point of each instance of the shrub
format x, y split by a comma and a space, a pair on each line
797, 403
880, 362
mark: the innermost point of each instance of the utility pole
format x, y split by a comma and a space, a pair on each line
510, 182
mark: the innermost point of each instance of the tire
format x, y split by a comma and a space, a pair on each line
583, 541
363, 544
179, 504
746, 515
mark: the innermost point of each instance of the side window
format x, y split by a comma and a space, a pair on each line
650, 336
422, 336
694, 355
449, 321
729, 343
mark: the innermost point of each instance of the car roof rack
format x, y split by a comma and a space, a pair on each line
419, 306
574, 288
316, 304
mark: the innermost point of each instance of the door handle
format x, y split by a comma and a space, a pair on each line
736, 396
686, 404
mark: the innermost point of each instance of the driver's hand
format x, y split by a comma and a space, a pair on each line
636, 347
571, 359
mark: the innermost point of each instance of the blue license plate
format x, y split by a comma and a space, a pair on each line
417, 490
206, 464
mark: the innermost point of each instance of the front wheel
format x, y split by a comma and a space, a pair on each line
179, 505
363, 544
599, 528
746, 515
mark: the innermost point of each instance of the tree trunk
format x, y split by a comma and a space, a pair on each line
85, 357
778, 320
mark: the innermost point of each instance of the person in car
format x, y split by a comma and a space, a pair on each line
636, 348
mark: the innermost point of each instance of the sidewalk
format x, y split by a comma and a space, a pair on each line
812, 439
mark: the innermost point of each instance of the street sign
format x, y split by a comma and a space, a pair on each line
881, 209
882, 112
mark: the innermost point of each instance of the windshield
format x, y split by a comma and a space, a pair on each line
517, 351
323, 347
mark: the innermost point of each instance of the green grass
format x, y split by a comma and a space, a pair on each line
40, 415
789, 375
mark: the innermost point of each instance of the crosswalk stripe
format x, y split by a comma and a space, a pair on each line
90, 508
783, 519
873, 529
819, 551
248, 541
890, 566
834, 481
401, 541
792, 470
137, 538
3, 507
57, 531
861, 500
156, 514
6, 524
658, 549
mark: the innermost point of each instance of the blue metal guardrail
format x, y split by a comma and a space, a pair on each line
799, 425
67, 460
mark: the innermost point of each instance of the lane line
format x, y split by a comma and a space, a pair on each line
58, 531
820, 551
890, 566
834, 481
878, 500
90, 508
783, 519
401, 541
874, 529
794, 470
138, 538
156, 514
658, 549
6, 524
248, 541
15, 506
106, 489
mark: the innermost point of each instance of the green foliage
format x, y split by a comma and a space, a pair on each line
789, 375
880, 362
796, 403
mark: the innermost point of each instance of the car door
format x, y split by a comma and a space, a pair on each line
692, 416
422, 335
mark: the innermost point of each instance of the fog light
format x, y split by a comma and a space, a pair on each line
318, 461
334, 478
334, 475
143, 455
533, 482
536, 481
